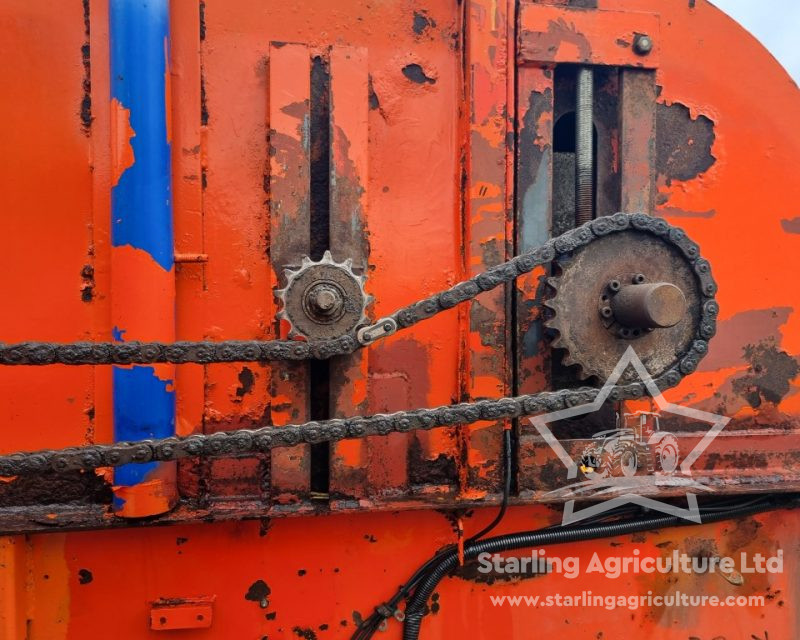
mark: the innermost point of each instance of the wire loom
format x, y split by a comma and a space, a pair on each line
422, 583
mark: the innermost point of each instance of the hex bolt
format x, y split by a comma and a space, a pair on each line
614, 285
606, 312
642, 44
639, 278
324, 300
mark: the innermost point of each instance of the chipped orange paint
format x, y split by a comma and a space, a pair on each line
129, 265
155, 494
121, 134
572, 35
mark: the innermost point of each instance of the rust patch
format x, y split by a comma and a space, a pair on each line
421, 470
534, 45
203, 102
49, 487
701, 548
791, 225
246, 381
85, 576
683, 143
769, 375
305, 633
415, 73
484, 321
86, 84
374, 102
422, 22
469, 571
87, 286
737, 460
258, 592
742, 532
202, 20
747, 327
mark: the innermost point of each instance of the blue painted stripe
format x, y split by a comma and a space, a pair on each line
144, 407
141, 208
141, 200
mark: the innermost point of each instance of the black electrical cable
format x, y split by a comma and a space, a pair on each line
506, 489
369, 626
415, 609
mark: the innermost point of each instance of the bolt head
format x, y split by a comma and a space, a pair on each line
324, 300
642, 44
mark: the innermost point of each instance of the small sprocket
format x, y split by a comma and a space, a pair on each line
323, 299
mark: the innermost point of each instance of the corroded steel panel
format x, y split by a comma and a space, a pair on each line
451, 141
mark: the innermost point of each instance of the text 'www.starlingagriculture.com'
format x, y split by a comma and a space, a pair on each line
631, 602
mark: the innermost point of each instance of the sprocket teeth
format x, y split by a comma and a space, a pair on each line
569, 362
302, 326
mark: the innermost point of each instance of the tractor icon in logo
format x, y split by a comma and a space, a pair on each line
637, 443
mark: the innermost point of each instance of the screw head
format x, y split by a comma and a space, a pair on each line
642, 44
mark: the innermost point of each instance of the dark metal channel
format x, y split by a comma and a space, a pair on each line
320, 162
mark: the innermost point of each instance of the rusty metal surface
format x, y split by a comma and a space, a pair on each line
594, 342
724, 165
644, 242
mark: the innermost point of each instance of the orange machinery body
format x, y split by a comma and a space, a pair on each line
442, 116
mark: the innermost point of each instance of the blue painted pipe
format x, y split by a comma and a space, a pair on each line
142, 280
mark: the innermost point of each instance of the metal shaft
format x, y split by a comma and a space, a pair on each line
655, 305
584, 157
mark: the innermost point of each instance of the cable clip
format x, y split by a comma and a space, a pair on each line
382, 328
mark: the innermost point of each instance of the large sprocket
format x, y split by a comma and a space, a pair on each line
588, 324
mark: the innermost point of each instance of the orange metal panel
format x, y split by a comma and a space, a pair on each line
187, 191
289, 242
490, 42
533, 220
564, 34
46, 181
348, 231
733, 192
